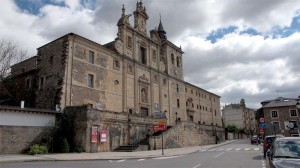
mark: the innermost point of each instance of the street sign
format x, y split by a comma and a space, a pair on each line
159, 127
262, 120
262, 125
159, 121
261, 130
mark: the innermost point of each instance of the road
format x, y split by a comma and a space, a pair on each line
240, 154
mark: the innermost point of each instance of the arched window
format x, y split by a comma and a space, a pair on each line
172, 59
178, 61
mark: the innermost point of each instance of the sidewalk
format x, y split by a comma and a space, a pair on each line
107, 155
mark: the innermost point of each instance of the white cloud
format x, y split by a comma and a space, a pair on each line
236, 66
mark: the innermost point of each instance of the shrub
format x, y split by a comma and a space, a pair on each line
65, 148
38, 149
78, 149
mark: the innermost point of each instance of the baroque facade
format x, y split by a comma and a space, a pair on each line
137, 73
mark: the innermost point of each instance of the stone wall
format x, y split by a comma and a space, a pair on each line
184, 134
18, 139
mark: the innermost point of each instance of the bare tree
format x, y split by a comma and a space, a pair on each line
9, 54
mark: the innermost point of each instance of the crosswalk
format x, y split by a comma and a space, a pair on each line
246, 149
230, 149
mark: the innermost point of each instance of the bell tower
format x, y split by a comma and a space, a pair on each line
140, 18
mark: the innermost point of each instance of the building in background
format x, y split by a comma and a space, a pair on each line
240, 116
280, 115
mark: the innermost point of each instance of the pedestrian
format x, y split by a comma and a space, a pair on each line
257, 141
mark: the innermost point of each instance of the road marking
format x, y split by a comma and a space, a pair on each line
120, 161
168, 157
219, 155
140, 160
197, 165
228, 149
110, 161
203, 150
246, 149
256, 149
212, 150
220, 149
238, 149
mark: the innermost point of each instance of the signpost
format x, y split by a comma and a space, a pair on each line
160, 124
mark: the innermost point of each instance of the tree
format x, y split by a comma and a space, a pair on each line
231, 128
9, 54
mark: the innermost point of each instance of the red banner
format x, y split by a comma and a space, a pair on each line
94, 134
159, 127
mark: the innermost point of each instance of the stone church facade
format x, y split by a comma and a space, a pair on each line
137, 73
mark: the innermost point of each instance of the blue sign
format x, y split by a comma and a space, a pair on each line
262, 125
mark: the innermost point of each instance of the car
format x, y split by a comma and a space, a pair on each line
254, 139
284, 153
268, 141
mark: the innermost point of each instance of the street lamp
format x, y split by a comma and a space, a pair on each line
298, 109
176, 117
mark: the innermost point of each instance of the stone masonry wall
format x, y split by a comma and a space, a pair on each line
17, 139
184, 134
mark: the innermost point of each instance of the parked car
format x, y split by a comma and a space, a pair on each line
268, 141
254, 139
284, 153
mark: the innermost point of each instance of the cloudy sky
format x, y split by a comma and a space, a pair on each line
235, 48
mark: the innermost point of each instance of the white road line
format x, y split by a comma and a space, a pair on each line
238, 149
228, 149
256, 149
203, 150
168, 157
197, 165
110, 161
212, 150
219, 155
220, 149
140, 160
246, 149
120, 161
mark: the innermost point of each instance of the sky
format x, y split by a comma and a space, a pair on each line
235, 48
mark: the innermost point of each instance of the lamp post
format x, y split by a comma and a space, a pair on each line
176, 117
298, 122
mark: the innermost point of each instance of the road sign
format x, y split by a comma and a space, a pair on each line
261, 130
159, 127
262, 120
159, 121
262, 125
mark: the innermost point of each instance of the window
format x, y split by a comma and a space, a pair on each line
51, 60
41, 83
91, 57
178, 103
293, 113
215, 112
117, 64
177, 88
172, 59
143, 55
130, 111
197, 106
274, 113
185, 89
178, 61
200, 107
191, 91
192, 105
164, 81
90, 81
28, 83
276, 124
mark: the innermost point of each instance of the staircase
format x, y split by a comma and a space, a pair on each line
126, 148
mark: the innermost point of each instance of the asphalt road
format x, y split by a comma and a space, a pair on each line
236, 155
